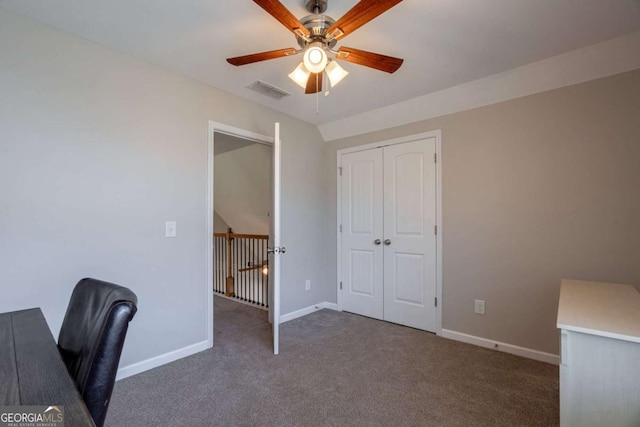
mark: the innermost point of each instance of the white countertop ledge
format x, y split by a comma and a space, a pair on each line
605, 309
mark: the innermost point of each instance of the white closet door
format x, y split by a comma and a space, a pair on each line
410, 241
361, 200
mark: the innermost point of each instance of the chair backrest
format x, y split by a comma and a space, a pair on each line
91, 339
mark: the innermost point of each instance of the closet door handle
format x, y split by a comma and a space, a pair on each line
387, 242
377, 242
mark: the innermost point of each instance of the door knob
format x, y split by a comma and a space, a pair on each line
377, 242
276, 250
387, 242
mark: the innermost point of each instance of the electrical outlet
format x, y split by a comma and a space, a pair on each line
479, 306
307, 285
170, 229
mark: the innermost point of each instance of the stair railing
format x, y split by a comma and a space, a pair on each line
241, 267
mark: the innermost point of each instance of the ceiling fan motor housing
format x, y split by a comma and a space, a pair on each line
316, 6
317, 24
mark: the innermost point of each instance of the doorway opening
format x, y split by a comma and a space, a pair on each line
240, 219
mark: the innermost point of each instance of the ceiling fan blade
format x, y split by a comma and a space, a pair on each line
385, 63
363, 12
263, 56
282, 14
314, 83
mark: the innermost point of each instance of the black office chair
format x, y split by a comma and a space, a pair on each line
91, 339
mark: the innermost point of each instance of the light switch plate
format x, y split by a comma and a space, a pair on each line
170, 229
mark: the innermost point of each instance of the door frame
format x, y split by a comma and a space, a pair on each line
437, 134
240, 133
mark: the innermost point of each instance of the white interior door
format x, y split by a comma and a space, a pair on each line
361, 201
409, 234
276, 250
388, 241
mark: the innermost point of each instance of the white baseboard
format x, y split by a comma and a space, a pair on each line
501, 346
331, 306
162, 359
307, 310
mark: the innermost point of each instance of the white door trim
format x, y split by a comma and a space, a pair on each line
275, 308
437, 134
240, 133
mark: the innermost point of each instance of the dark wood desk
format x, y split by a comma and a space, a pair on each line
31, 369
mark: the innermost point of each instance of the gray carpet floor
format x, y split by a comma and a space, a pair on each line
336, 369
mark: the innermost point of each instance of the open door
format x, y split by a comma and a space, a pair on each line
276, 249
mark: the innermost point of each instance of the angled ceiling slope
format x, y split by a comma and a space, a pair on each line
444, 43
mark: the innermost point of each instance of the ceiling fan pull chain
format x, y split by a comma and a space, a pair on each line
317, 96
326, 83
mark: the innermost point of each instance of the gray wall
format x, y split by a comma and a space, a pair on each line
534, 190
97, 151
219, 224
243, 196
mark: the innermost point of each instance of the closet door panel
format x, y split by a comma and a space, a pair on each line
361, 219
409, 231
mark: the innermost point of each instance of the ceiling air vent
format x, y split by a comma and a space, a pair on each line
268, 90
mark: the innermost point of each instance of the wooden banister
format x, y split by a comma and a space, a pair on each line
242, 236
253, 267
230, 235
229, 284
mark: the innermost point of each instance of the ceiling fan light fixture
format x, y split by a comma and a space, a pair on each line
317, 36
315, 58
300, 75
335, 73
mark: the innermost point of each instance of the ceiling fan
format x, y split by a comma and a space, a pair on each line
317, 35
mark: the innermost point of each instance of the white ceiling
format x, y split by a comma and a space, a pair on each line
444, 42
225, 143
